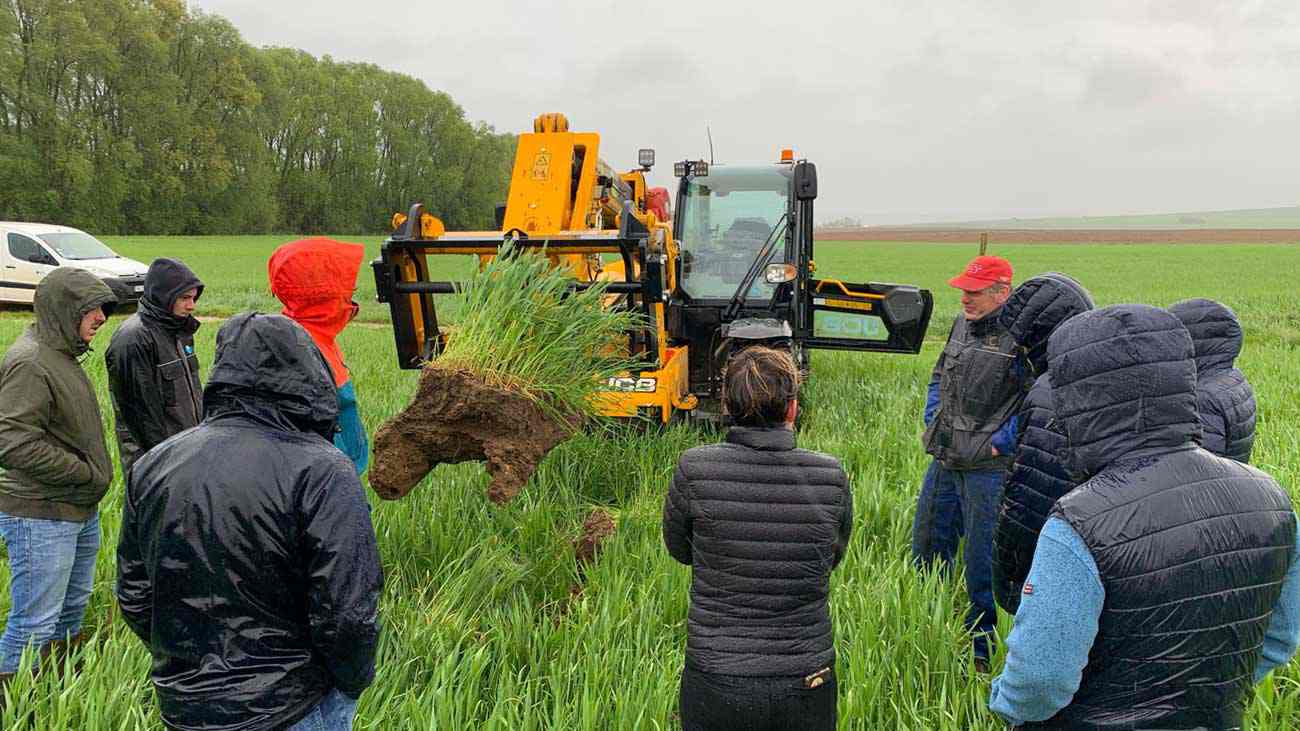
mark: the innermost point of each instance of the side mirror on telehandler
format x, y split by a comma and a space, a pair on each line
805, 181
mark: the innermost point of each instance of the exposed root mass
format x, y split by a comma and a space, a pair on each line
457, 417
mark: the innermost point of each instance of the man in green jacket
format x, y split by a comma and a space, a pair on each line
54, 467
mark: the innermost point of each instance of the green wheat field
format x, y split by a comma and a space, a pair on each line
487, 624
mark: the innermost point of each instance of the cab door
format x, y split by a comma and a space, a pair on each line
839, 315
890, 318
26, 264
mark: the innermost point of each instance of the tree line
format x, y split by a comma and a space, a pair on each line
142, 116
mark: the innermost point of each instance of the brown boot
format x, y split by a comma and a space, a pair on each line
55, 653
75, 647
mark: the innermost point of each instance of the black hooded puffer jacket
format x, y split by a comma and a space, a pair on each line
1191, 549
153, 371
1223, 395
247, 561
1036, 477
761, 524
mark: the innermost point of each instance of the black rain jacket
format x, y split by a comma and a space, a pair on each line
1036, 477
153, 372
761, 524
1224, 398
247, 560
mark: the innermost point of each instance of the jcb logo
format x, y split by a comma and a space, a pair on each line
631, 385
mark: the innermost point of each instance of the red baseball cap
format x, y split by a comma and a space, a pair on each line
982, 272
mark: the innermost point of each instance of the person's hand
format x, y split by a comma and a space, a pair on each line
995, 450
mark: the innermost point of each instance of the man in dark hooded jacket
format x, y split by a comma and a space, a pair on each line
1166, 584
247, 561
1036, 477
54, 467
1223, 395
153, 372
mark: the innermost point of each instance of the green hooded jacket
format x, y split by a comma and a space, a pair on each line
54, 462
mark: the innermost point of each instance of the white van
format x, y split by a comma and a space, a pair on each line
29, 251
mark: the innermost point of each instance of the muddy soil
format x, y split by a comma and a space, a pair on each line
456, 417
596, 529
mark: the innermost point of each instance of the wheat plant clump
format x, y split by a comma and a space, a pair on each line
523, 329
519, 373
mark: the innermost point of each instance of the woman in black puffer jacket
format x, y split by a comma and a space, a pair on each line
761, 524
1036, 477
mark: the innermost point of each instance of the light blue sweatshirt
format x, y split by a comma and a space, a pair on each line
1057, 624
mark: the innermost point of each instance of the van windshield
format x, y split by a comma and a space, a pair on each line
78, 246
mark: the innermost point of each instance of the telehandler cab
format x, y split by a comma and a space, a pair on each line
734, 269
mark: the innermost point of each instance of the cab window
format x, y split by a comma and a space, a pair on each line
725, 219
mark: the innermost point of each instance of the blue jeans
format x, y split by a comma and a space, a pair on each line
952, 504
52, 572
937, 527
334, 713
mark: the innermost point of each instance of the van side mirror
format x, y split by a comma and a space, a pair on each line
45, 258
805, 181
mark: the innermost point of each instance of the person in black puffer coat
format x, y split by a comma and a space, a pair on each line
1223, 395
761, 524
1165, 585
1036, 477
153, 371
247, 562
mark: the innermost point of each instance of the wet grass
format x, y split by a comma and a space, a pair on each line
481, 630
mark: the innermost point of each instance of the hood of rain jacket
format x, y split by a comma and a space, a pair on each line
1123, 381
314, 279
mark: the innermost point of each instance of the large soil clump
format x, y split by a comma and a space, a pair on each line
457, 417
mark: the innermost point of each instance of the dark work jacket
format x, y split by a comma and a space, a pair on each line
761, 524
1223, 395
1191, 549
979, 389
247, 561
54, 463
1036, 477
153, 372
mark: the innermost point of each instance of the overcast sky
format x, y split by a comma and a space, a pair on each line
913, 111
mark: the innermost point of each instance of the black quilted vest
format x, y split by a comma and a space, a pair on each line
1192, 550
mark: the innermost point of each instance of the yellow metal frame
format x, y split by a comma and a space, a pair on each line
577, 219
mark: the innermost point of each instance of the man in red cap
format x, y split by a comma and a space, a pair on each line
971, 432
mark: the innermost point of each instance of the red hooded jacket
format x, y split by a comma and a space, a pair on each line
315, 279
